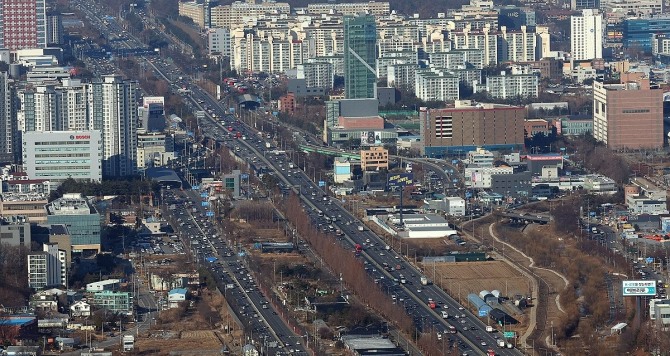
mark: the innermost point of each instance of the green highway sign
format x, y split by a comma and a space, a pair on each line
508, 334
638, 288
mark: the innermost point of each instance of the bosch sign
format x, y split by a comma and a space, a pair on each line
80, 137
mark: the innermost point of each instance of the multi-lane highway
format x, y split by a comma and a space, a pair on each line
262, 322
471, 331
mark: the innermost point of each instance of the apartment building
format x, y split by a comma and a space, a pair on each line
374, 158
371, 7
436, 85
506, 86
586, 41
194, 11
228, 16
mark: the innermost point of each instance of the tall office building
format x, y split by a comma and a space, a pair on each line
23, 24
587, 35
7, 123
54, 29
360, 59
628, 115
112, 107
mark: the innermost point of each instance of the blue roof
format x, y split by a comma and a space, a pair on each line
178, 291
18, 321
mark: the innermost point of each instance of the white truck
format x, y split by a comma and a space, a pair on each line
489, 329
501, 343
424, 281
361, 228
445, 315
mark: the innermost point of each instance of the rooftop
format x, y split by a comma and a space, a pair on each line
70, 204
22, 197
178, 291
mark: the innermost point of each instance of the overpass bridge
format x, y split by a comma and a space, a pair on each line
329, 151
525, 218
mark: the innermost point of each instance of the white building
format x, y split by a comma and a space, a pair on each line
518, 46
586, 35
402, 76
508, 86
108, 284
47, 268
481, 177
484, 40
218, 41
316, 74
341, 170
153, 150
436, 85
194, 11
455, 206
176, 296
480, 157
228, 16
80, 308
59, 155
266, 51
381, 8
112, 107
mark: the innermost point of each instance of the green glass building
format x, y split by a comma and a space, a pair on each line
360, 57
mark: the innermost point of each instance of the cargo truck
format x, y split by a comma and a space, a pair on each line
361, 228
501, 343
489, 329
431, 304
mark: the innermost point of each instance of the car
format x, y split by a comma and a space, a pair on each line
483, 343
418, 290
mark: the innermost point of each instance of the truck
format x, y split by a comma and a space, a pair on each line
267, 145
424, 281
291, 165
501, 343
445, 315
358, 248
431, 304
489, 329
509, 345
361, 228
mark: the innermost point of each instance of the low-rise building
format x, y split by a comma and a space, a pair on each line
80, 308
15, 231
455, 206
30, 205
482, 177
116, 302
81, 218
106, 285
341, 170
374, 158
176, 296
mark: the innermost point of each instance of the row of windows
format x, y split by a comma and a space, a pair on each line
62, 161
63, 155
54, 143
63, 168
62, 149
635, 111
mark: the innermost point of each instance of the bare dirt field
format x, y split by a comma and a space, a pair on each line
196, 342
463, 278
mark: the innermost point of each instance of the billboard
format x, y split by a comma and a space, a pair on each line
400, 179
638, 288
371, 138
